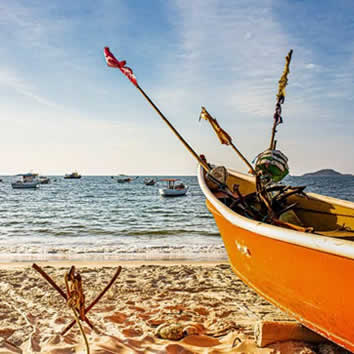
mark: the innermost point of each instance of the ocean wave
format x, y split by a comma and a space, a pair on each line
146, 232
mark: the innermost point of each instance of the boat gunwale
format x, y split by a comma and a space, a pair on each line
330, 245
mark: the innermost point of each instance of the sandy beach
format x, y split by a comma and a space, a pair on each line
153, 307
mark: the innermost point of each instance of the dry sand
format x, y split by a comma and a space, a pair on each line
203, 306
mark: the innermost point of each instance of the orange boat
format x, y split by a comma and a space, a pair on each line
308, 275
302, 259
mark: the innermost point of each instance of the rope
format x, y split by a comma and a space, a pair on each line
76, 300
81, 330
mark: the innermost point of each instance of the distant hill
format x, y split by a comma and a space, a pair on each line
325, 173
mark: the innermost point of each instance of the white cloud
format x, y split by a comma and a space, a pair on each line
236, 53
10, 79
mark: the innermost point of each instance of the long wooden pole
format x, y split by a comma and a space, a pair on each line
196, 156
271, 145
49, 280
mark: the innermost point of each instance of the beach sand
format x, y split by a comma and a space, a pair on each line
204, 307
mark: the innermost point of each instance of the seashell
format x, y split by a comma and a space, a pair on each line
172, 331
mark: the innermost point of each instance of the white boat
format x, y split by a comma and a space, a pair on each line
173, 189
44, 179
26, 181
149, 181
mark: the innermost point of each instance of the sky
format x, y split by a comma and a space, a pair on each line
62, 109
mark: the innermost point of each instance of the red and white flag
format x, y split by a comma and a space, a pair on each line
114, 63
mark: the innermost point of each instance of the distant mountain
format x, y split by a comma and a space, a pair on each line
325, 173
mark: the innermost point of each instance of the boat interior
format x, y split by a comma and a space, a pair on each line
291, 207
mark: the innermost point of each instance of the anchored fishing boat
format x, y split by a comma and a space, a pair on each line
126, 179
74, 175
296, 249
26, 181
149, 181
172, 189
44, 180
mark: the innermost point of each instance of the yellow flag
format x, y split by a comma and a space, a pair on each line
284, 78
221, 134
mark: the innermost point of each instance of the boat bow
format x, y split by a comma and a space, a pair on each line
307, 275
324, 244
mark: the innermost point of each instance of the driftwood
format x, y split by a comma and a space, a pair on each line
268, 332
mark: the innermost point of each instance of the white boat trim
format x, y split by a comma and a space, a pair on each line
338, 247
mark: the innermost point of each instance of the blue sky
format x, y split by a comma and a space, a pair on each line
63, 109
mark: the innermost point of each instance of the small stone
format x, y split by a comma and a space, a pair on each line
172, 331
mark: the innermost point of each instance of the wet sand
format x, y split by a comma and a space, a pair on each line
153, 307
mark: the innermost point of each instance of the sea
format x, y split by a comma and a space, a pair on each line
96, 218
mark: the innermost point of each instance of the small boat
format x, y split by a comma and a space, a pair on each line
26, 181
44, 180
173, 189
126, 179
73, 175
149, 181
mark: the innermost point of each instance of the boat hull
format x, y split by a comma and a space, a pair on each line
149, 182
314, 286
167, 192
44, 181
25, 185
